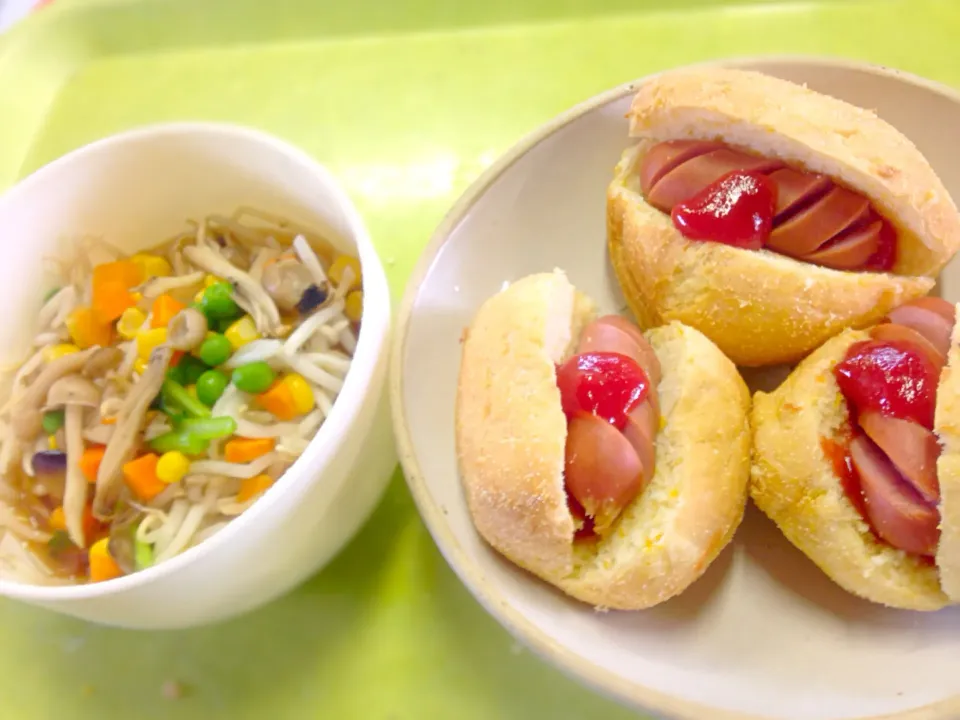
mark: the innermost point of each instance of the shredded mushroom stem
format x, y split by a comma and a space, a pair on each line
249, 429
19, 527
246, 286
264, 255
234, 470
155, 287
309, 326
309, 259
123, 443
252, 352
312, 373
75, 490
26, 416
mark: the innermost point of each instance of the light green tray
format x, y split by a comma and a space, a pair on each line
407, 101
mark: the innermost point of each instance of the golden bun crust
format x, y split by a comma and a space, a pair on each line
781, 119
511, 433
947, 426
759, 307
794, 483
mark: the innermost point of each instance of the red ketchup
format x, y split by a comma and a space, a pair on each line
737, 209
891, 378
608, 385
885, 256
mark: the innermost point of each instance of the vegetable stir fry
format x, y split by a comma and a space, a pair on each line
167, 391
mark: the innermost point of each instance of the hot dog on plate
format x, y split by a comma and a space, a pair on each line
857, 457
768, 216
610, 463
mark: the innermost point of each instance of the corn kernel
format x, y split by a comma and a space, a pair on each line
57, 521
339, 265
242, 332
54, 352
52, 442
198, 298
130, 322
211, 280
172, 466
353, 305
303, 400
152, 265
147, 340
140, 366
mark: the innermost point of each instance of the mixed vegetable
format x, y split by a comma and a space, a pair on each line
167, 391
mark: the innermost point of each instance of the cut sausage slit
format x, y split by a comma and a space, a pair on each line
814, 219
894, 455
609, 395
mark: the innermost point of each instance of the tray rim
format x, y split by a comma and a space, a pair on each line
639, 697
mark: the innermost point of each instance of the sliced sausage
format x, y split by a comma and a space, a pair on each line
806, 231
897, 512
894, 333
911, 448
929, 323
686, 180
850, 250
643, 422
938, 305
602, 471
664, 157
796, 190
646, 357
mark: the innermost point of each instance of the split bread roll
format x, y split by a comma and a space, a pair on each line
762, 306
795, 482
511, 433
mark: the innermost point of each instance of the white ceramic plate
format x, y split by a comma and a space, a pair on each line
764, 633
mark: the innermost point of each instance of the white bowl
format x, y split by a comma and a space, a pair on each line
133, 190
764, 633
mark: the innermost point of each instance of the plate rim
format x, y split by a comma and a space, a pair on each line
630, 694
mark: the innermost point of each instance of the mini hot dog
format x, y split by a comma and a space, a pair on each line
855, 457
611, 463
769, 216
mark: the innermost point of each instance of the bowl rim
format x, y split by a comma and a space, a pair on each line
309, 467
516, 623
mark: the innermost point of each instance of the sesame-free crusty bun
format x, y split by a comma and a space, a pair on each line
759, 306
511, 433
794, 482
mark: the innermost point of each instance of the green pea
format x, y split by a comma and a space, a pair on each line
210, 386
192, 368
217, 302
215, 350
52, 421
254, 377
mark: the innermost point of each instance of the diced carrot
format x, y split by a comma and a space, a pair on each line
90, 460
176, 357
243, 450
93, 529
141, 477
163, 310
251, 487
278, 399
111, 288
102, 565
112, 420
87, 329
57, 521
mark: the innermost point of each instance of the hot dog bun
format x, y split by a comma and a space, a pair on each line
760, 307
511, 433
794, 483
